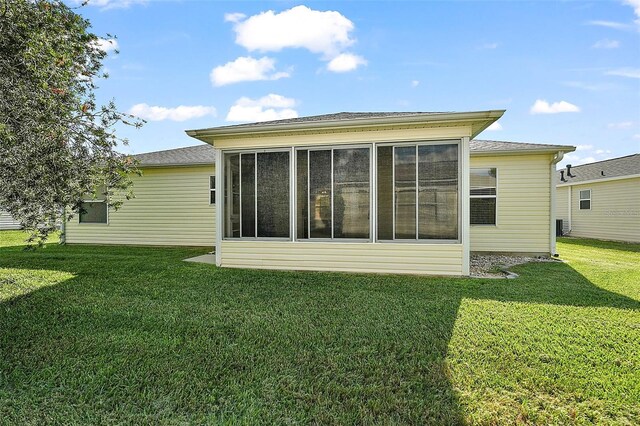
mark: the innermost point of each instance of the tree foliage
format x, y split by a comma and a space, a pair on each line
57, 144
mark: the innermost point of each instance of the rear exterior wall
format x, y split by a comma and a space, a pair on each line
523, 203
171, 207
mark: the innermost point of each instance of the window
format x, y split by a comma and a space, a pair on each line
212, 189
333, 193
585, 199
483, 196
256, 195
95, 210
418, 192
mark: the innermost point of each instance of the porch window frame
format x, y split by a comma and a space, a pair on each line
372, 191
223, 205
418, 143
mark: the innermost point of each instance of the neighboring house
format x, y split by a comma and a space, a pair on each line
601, 200
8, 222
368, 192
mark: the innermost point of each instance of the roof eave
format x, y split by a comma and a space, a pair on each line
545, 150
484, 118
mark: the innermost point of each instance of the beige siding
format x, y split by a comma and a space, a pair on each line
433, 259
171, 208
614, 214
406, 133
562, 210
522, 208
7, 221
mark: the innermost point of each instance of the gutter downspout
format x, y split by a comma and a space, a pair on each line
552, 204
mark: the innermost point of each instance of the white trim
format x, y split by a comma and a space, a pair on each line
465, 167
606, 179
569, 209
552, 202
219, 207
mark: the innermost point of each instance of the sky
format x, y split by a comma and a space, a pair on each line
566, 72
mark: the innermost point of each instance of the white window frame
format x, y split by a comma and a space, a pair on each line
372, 189
418, 143
93, 201
223, 207
212, 191
484, 196
580, 199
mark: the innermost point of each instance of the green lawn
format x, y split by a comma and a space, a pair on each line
127, 335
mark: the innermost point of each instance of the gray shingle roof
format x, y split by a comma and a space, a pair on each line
199, 154
205, 154
332, 117
614, 167
479, 145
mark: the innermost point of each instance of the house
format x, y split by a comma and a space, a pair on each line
8, 222
362, 192
601, 200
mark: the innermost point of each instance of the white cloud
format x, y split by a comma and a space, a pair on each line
625, 72
636, 136
635, 4
106, 45
495, 126
319, 32
246, 68
415, 83
234, 17
543, 107
621, 125
266, 108
180, 113
610, 24
606, 44
345, 62
111, 4
327, 33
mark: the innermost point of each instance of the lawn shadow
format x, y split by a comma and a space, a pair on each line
137, 335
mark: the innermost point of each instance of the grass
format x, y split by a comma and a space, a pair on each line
120, 335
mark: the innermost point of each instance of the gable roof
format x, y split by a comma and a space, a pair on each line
205, 153
478, 120
613, 168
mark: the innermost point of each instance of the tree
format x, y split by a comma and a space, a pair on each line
57, 144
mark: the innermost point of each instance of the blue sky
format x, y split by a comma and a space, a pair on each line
566, 72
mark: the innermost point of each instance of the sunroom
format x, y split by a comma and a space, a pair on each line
361, 192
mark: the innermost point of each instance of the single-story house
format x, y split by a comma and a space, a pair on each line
8, 222
362, 192
601, 200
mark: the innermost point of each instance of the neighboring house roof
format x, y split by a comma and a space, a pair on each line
205, 153
601, 170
